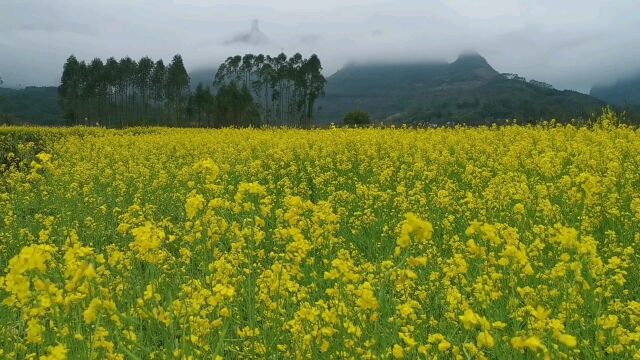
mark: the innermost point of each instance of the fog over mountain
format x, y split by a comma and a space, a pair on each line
468, 90
570, 44
623, 92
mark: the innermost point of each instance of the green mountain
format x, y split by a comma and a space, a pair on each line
625, 92
467, 90
33, 105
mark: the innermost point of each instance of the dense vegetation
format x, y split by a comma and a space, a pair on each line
124, 93
34, 105
248, 90
357, 117
280, 90
285, 89
488, 242
468, 91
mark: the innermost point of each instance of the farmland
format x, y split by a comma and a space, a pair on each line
489, 242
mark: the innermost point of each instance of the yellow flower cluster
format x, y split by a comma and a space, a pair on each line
464, 243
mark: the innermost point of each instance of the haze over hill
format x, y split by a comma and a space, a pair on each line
571, 44
624, 92
202, 75
466, 90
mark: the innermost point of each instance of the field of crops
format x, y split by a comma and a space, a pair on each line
509, 242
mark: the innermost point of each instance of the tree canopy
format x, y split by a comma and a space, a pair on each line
247, 90
124, 92
357, 117
284, 89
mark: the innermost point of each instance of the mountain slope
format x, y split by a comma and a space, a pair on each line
622, 92
467, 90
34, 105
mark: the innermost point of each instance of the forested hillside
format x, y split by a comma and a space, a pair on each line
468, 90
35, 105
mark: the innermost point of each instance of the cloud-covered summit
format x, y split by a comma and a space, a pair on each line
251, 37
571, 44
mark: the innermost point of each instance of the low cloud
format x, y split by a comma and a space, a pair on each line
569, 44
253, 36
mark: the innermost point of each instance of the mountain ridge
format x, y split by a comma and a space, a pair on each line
466, 90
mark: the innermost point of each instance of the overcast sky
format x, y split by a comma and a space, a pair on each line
569, 43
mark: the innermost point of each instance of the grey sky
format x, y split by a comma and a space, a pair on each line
568, 43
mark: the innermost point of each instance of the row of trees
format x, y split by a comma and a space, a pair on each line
285, 89
247, 90
124, 92
541, 84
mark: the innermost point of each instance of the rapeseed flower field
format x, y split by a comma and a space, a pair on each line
462, 243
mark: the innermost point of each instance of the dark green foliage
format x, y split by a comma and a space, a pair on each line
233, 105
144, 85
9, 119
289, 90
129, 93
468, 91
313, 83
177, 87
70, 89
125, 92
283, 89
35, 105
201, 106
357, 117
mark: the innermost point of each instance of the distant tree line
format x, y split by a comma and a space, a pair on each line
247, 90
517, 77
124, 92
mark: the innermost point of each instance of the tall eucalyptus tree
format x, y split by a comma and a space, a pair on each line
284, 88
